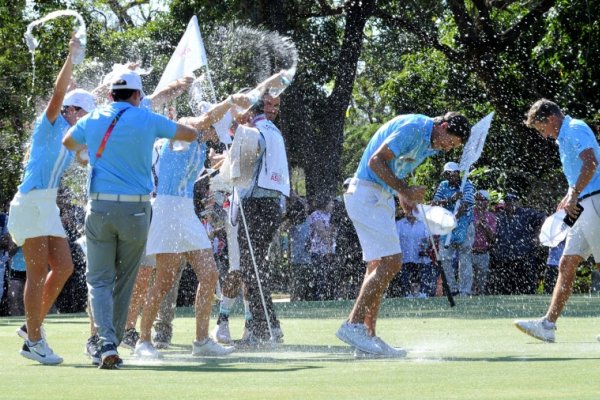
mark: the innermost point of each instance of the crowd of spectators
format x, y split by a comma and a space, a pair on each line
316, 254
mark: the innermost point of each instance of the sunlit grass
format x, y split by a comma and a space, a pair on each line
471, 351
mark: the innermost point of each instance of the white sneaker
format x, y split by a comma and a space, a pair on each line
363, 355
356, 335
389, 351
598, 338
22, 332
277, 335
210, 348
536, 329
221, 332
146, 350
40, 352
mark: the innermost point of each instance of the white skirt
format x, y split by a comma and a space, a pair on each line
175, 228
34, 214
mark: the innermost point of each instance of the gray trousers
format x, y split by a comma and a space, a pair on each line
481, 270
116, 234
465, 263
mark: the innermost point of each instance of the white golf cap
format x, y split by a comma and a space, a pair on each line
451, 167
484, 194
80, 98
126, 79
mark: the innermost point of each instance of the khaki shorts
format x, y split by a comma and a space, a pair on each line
584, 237
372, 211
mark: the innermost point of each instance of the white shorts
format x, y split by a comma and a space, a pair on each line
175, 228
34, 214
372, 211
584, 237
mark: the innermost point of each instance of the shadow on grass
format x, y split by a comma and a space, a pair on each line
205, 366
507, 359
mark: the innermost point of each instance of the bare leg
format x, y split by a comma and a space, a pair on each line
167, 267
203, 264
138, 295
366, 307
371, 318
43, 287
61, 268
567, 269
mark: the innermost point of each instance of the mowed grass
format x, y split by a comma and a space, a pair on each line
471, 351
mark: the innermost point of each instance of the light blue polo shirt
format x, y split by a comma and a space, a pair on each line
574, 137
444, 192
125, 165
48, 158
408, 137
179, 170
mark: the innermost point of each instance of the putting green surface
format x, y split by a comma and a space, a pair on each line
471, 351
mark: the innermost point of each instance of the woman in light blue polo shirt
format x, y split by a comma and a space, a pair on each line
34, 220
176, 233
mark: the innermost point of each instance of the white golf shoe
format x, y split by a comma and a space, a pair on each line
210, 348
222, 333
146, 350
536, 328
356, 335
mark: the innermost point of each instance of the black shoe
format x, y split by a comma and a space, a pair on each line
222, 317
161, 340
110, 357
92, 349
130, 338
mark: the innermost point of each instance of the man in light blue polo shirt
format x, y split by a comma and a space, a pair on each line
395, 150
579, 154
119, 139
463, 236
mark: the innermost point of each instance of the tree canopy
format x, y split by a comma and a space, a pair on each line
360, 63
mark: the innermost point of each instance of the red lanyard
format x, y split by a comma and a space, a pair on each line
108, 132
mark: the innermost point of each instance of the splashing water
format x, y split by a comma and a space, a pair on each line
248, 56
33, 43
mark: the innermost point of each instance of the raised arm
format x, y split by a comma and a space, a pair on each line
63, 80
206, 120
170, 91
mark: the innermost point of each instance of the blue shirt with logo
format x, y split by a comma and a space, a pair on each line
125, 164
408, 137
574, 137
446, 191
178, 170
48, 158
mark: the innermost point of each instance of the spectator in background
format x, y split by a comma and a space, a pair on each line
321, 249
417, 277
348, 255
462, 237
4, 249
551, 272
485, 236
515, 268
16, 283
299, 256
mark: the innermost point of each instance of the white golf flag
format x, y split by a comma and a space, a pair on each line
188, 56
